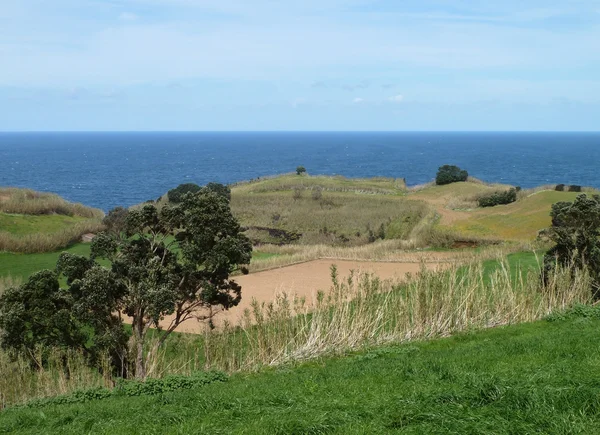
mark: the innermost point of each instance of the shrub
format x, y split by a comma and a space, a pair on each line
317, 193
132, 388
574, 188
560, 188
175, 195
575, 231
220, 189
297, 194
300, 170
497, 198
450, 174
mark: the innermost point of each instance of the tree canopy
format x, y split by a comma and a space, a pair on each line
447, 174
575, 231
173, 262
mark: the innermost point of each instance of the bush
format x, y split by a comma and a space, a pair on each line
300, 170
176, 195
450, 174
317, 193
497, 198
220, 189
574, 188
132, 388
297, 194
560, 188
575, 231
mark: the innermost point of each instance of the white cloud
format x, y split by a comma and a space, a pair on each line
357, 100
396, 98
128, 16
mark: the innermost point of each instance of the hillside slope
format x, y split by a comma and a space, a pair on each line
36, 222
531, 378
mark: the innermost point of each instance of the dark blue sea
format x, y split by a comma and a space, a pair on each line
109, 169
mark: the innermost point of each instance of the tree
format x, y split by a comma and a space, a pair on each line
41, 314
115, 221
185, 283
575, 231
38, 313
220, 189
176, 195
300, 170
450, 174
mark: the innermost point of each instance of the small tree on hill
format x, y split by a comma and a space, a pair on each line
300, 170
450, 174
575, 231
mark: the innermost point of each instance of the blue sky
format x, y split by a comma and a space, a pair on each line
299, 65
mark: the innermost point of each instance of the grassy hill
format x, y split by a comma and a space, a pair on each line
540, 377
520, 220
326, 210
35, 222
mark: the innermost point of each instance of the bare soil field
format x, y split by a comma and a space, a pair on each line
304, 280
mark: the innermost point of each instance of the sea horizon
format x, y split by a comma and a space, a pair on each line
107, 169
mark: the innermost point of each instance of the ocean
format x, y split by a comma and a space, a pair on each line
106, 170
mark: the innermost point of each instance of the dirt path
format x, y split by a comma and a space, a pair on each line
303, 279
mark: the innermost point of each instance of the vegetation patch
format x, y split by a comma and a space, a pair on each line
532, 378
498, 198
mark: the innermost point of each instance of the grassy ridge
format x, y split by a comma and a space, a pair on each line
531, 378
35, 222
517, 221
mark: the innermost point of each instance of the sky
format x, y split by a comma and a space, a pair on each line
299, 65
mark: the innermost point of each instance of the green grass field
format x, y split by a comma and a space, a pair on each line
20, 225
541, 377
24, 265
518, 221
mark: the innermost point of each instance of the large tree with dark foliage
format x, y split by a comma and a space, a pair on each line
450, 174
175, 262
176, 194
575, 231
40, 314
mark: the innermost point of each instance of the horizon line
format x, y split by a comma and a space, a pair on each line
296, 131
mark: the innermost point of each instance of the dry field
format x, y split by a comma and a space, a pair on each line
304, 280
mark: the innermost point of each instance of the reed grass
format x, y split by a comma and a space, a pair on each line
26, 201
48, 242
365, 311
359, 312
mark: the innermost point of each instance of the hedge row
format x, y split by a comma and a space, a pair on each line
129, 388
498, 198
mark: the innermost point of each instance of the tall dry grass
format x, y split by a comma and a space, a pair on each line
26, 201
365, 311
67, 371
360, 311
47, 242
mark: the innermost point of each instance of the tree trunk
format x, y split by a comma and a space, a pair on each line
139, 333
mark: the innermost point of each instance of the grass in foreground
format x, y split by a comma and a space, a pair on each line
540, 377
